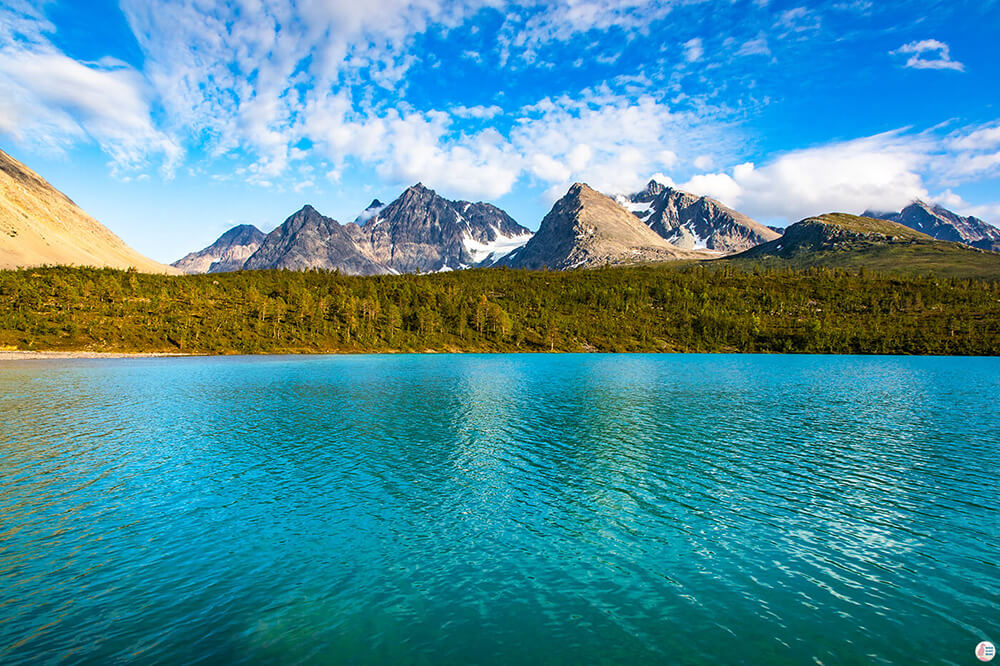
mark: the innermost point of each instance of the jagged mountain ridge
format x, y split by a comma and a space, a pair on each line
942, 224
423, 232
586, 229
40, 225
418, 232
308, 239
228, 253
695, 222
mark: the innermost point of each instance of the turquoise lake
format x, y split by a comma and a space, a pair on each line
509, 509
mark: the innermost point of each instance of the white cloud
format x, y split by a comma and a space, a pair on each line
881, 172
940, 55
53, 100
550, 170
478, 112
703, 162
693, 49
611, 142
796, 20
756, 46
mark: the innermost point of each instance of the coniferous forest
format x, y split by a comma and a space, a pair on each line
672, 308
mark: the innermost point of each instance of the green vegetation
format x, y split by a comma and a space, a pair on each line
853, 243
866, 225
692, 308
906, 259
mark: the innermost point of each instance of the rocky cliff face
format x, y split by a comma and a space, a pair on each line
424, 232
586, 229
40, 225
310, 240
228, 253
942, 224
695, 223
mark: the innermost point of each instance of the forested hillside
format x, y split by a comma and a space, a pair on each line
690, 308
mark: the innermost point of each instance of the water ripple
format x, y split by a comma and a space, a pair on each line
490, 509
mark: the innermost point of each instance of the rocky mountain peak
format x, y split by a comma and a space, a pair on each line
241, 234
228, 253
694, 222
586, 228
654, 188
938, 222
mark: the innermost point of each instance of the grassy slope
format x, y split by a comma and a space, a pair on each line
868, 225
874, 245
909, 259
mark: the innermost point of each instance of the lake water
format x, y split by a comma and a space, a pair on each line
558, 509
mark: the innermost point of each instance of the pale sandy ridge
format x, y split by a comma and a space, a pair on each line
39, 225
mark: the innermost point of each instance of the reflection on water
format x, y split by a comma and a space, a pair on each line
495, 509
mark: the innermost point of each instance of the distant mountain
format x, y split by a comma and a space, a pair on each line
942, 224
424, 232
419, 232
228, 253
839, 240
585, 229
40, 225
310, 240
695, 223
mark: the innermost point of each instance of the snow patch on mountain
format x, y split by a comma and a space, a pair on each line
501, 246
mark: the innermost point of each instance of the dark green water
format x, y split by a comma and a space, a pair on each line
500, 510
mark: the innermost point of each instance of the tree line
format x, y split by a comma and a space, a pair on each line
664, 308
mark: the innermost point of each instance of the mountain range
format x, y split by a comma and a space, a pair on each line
695, 223
940, 223
422, 232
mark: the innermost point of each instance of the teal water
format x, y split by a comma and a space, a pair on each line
562, 509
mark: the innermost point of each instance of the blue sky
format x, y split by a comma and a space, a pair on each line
172, 120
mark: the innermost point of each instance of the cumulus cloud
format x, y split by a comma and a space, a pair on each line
928, 54
609, 141
881, 171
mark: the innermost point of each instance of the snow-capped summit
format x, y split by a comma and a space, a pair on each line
693, 222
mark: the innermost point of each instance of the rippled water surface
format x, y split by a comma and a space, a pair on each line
499, 510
